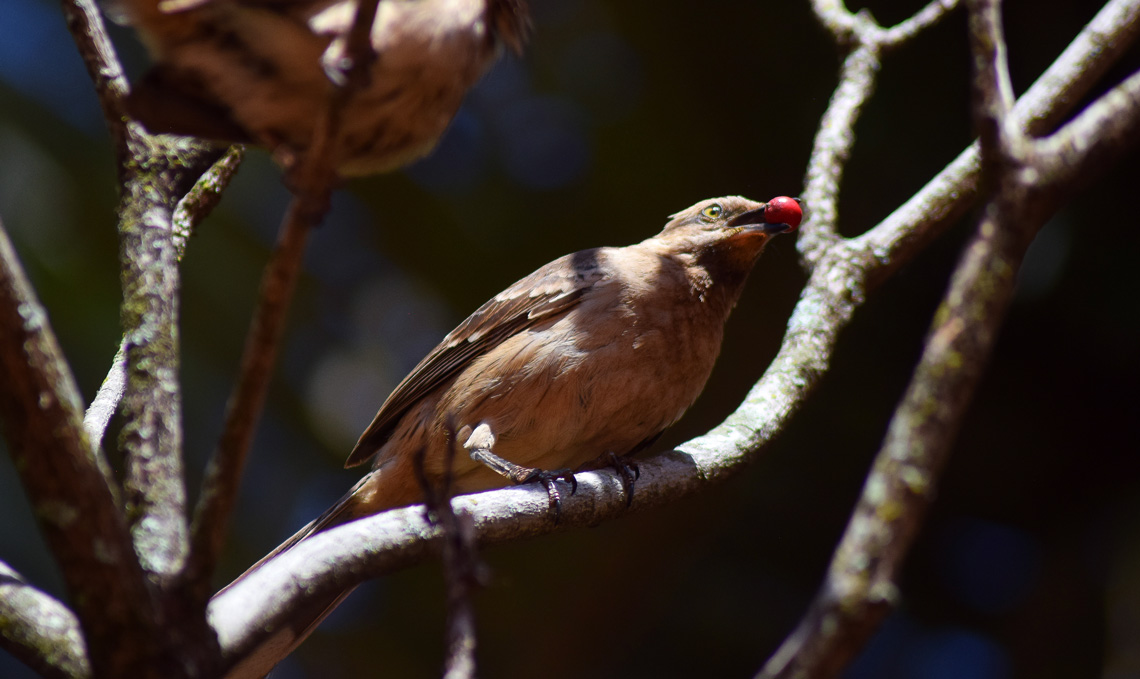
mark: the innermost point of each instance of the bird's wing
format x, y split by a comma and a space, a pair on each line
547, 293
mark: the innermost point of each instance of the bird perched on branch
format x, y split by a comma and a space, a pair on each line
585, 360
594, 354
260, 71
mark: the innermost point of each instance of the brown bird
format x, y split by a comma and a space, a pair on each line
590, 357
258, 71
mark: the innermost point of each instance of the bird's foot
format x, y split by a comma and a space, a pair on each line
520, 475
547, 478
628, 471
624, 466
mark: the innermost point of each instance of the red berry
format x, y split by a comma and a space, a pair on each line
784, 210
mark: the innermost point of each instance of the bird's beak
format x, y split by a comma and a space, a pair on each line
755, 220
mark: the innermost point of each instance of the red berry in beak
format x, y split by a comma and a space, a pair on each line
784, 210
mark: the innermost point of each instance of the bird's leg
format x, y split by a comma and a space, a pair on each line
625, 467
519, 474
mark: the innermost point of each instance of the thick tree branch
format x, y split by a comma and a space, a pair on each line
252, 609
42, 419
191, 210
158, 173
156, 177
155, 173
39, 630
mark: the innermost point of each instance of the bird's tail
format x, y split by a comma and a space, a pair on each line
368, 496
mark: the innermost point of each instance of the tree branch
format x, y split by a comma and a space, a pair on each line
1095, 138
831, 150
191, 210
106, 402
61, 474
200, 201
836, 135
461, 566
1049, 100
90, 34
157, 175
223, 475
860, 586
992, 90
39, 630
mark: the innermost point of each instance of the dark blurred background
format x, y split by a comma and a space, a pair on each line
619, 114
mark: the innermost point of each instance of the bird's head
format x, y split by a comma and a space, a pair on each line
732, 230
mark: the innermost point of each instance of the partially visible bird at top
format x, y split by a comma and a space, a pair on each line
259, 71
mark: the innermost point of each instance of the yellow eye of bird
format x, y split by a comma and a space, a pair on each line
712, 211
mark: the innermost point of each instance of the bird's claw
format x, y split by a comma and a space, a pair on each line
628, 472
548, 478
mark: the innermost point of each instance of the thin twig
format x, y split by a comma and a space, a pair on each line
992, 90
90, 34
223, 475
849, 28
926, 17
312, 179
85, 23
201, 200
106, 401
866, 41
831, 150
461, 566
